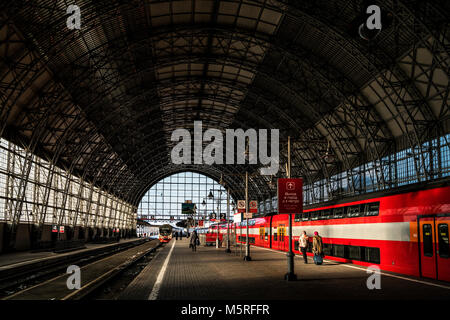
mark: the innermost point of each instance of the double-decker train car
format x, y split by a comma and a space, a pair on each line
165, 233
406, 232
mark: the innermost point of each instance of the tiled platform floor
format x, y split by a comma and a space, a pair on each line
211, 273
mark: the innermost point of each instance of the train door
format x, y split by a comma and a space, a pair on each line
434, 247
281, 237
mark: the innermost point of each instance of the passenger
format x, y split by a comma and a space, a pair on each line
304, 245
176, 235
193, 241
317, 248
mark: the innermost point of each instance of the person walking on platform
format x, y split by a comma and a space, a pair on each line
317, 248
304, 245
176, 235
193, 241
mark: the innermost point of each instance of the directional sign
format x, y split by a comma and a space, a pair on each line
241, 206
248, 215
290, 195
253, 206
188, 208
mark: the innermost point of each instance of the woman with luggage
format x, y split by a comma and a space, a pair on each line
317, 248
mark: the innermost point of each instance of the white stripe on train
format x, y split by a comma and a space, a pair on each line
389, 231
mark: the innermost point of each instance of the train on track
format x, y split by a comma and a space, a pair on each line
165, 233
406, 232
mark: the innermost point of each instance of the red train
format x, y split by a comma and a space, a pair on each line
406, 232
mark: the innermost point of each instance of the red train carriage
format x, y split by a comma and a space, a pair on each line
405, 232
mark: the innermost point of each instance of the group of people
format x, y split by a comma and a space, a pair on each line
194, 240
178, 235
317, 247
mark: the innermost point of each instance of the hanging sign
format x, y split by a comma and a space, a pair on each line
253, 206
241, 206
290, 195
248, 215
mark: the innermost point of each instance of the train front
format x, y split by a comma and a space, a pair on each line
165, 233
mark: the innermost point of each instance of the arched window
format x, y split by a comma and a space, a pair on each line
163, 201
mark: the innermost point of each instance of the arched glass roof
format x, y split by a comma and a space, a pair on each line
162, 202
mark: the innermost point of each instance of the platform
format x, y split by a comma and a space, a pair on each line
212, 274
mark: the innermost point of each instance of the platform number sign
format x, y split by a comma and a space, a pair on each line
212, 217
222, 216
54, 228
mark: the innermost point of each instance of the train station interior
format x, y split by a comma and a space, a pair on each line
224, 150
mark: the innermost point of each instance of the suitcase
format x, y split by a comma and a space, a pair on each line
318, 259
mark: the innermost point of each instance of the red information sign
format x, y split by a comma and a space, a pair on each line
290, 195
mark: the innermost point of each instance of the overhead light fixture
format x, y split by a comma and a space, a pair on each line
328, 157
210, 195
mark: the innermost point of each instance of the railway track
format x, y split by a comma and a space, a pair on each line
94, 274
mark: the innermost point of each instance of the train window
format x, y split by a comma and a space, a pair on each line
427, 240
328, 249
372, 255
353, 211
372, 209
298, 217
339, 251
275, 237
266, 236
305, 216
443, 240
354, 252
325, 214
338, 213
261, 233
315, 215
281, 232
